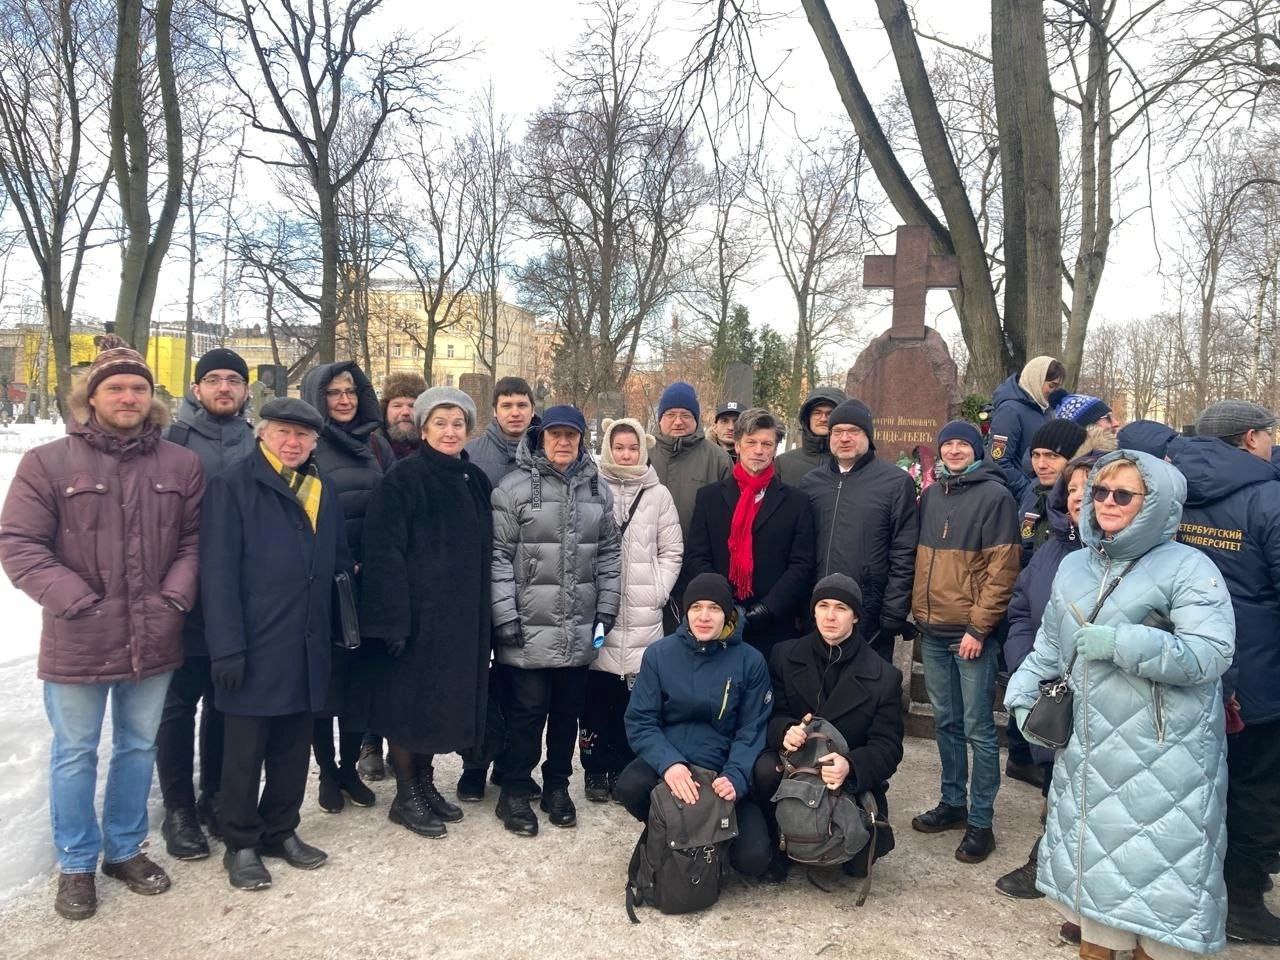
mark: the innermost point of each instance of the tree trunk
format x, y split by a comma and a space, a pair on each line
326, 201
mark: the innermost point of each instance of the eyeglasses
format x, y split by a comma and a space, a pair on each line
1122, 498
347, 394
212, 381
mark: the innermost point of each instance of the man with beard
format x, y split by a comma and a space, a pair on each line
398, 393
211, 424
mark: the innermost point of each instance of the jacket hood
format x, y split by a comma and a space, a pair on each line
813, 443
194, 415
1148, 436
1214, 469
1010, 391
607, 464
530, 456
688, 639
368, 411
1157, 519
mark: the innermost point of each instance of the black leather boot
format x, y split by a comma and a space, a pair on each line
559, 808
516, 814
442, 808
410, 810
1020, 884
940, 818
183, 838
976, 845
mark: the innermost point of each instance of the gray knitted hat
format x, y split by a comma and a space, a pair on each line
1231, 418
428, 400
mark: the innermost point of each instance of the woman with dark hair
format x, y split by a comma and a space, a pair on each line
1141, 626
832, 673
429, 547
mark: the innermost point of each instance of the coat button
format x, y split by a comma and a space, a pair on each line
99, 486
71, 489
159, 486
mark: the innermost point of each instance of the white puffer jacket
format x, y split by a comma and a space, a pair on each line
652, 551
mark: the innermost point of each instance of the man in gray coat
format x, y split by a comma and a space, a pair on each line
557, 577
211, 424
494, 451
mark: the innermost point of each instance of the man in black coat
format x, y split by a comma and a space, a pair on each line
271, 542
756, 532
833, 674
211, 424
864, 512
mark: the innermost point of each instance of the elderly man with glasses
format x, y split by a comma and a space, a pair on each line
211, 424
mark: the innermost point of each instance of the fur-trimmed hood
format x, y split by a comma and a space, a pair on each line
78, 406
82, 424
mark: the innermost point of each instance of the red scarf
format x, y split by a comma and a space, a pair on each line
741, 552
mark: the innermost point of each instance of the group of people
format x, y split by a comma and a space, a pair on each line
675, 601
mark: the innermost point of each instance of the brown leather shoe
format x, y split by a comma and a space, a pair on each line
139, 874
77, 896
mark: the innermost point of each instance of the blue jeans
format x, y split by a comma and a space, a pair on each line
963, 696
75, 712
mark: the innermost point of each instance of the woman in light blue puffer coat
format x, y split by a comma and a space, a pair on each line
1136, 831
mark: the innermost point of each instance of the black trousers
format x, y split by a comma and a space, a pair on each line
283, 746
190, 687
1253, 805
750, 851
547, 699
602, 735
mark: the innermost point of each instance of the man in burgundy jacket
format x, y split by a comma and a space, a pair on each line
100, 528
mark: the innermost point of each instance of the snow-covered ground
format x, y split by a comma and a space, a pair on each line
26, 847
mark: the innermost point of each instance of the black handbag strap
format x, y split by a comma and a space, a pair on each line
622, 531
1097, 609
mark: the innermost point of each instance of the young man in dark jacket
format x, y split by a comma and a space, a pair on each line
273, 540
966, 564
494, 451
1052, 447
758, 533
101, 529
1232, 513
702, 697
211, 424
864, 512
814, 450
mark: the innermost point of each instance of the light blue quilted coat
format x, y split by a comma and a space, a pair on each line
1137, 809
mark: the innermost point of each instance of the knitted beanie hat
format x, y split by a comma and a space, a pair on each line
962, 430
428, 400
1063, 437
1082, 409
680, 395
115, 356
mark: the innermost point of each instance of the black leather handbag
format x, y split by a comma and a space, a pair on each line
346, 622
1051, 717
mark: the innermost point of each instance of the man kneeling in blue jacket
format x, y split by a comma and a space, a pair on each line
703, 697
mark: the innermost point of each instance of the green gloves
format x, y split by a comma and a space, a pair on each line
1020, 715
1096, 642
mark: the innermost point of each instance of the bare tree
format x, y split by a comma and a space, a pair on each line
811, 210
610, 184
493, 156
436, 241
52, 109
312, 69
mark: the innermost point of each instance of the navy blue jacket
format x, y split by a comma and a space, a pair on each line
1233, 515
702, 703
1015, 417
266, 582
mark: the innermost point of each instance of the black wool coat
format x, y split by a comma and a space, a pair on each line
782, 541
428, 553
865, 704
266, 585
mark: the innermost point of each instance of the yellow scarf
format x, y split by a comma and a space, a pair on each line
304, 483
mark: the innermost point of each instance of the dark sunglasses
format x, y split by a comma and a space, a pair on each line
1122, 498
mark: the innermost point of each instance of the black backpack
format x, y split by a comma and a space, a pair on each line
678, 864
818, 826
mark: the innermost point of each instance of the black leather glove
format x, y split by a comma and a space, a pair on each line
891, 629
227, 673
757, 614
395, 646
508, 634
606, 620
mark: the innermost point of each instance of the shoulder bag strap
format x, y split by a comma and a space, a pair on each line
1097, 609
622, 531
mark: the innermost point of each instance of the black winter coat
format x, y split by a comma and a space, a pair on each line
782, 540
864, 704
429, 549
866, 527
353, 457
266, 581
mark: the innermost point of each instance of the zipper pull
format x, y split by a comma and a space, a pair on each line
946, 527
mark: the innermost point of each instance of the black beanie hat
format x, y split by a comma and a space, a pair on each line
856, 413
837, 586
709, 586
962, 430
220, 358
1063, 437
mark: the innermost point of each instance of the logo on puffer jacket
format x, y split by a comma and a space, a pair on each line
998, 446
1029, 525
768, 697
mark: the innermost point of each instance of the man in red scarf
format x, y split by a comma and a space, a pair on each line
757, 532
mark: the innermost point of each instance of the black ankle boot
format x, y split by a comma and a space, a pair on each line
330, 796
442, 808
559, 808
1020, 884
355, 788
1249, 920
516, 815
410, 810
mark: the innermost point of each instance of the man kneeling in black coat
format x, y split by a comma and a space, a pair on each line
832, 673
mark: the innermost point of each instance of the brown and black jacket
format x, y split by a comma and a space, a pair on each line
968, 556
